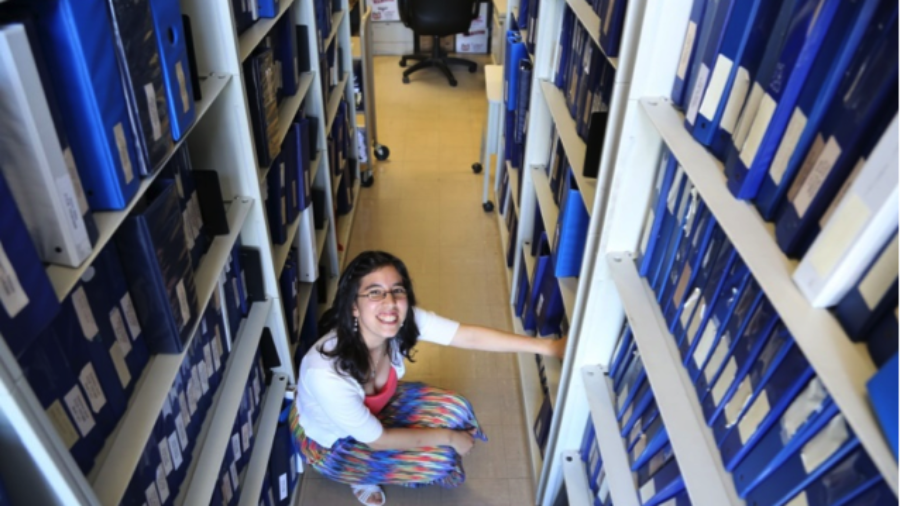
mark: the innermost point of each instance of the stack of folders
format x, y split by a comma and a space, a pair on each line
261, 79
539, 300
516, 96
172, 445
282, 473
775, 425
248, 13
793, 97
128, 84
238, 452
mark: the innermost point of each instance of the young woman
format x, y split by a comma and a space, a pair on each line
353, 420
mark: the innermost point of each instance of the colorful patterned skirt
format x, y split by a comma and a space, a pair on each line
413, 405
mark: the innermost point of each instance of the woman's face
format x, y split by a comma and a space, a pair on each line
381, 319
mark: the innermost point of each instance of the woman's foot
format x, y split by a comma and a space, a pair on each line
370, 495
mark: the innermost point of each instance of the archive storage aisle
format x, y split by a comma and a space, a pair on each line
196, 161
700, 194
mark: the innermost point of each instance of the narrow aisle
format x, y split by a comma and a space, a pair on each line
425, 207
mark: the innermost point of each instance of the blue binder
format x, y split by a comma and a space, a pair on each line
843, 481
612, 18
158, 269
665, 174
629, 382
882, 342
263, 103
715, 23
660, 478
523, 96
702, 264
693, 247
571, 231
173, 53
547, 301
276, 202
676, 208
79, 49
808, 29
873, 295
642, 425
689, 315
269, 9
306, 154
688, 50
852, 38
515, 53
139, 63
565, 48
883, 394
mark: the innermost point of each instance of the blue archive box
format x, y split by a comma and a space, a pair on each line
29, 302
713, 32
80, 51
852, 38
515, 53
706, 267
259, 73
612, 20
652, 232
290, 157
853, 473
276, 203
688, 50
523, 93
872, 296
565, 41
571, 231
883, 394
139, 63
523, 290
588, 440
696, 239
810, 24
173, 53
675, 210
745, 36
547, 300
878, 494
648, 444
882, 342
657, 484
542, 424
239, 280
158, 269
851, 126
286, 55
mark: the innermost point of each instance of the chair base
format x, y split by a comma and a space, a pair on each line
438, 59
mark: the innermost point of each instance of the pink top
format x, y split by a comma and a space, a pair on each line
377, 401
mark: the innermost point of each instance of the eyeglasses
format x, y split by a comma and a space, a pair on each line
377, 295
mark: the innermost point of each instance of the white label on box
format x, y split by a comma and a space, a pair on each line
719, 354
182, 433
182, 88
682, 285
118, 360
12, 296
836, 201
91, 384
881, 276
234, 476
705, 343
175, 450
204, 377
813, 182
282, 487
79, 410
724, 381
152, 495
185, 411
648, 490
226, 489
798, 500
165, 455
208, 357
153, 110
758, 131
194, 391
161, 483
118, 326
713, 96
66, 194
131, 318
787, 146
823, 445
75, 180
122, 145
839, 235
203, 327
245, 435
183, 303
686, 50
738, 401
697, 94
256, 388
750, 110
63, 424
236, 446
83, 311
217, 349
735, 102
752, 418
639, 446
686, 315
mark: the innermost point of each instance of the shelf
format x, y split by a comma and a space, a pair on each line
532, 397
705, 477
280, 251
843, 366
215, 436
252, 485
577, 488
334, 101
336, 19
345, 226
258, 31
574, 146
612, 448
590, 21
513, 185
549, 209
117, 460
569, 289
63, 278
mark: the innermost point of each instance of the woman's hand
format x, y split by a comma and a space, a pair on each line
462, 441
557, 347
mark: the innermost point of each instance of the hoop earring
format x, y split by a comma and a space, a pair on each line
355, 325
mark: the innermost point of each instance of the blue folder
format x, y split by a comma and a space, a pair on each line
269, 9
882, 342
571, 231
612, 19
713, 31
173, 53
304, 175
873, 295
643, 399
629, 382
158, 269
565, 48
696, 305
675, 210
700, 265
657, 484
515, 53
80, 51
642, 424
883, 394
522, 290
665, 174
547, 301
688, 51
588, 440
851, 38
695, 241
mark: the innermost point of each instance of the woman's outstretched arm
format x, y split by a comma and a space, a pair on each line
473, 337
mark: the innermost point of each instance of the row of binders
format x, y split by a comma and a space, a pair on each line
777, 429
586, 77
526, 21
130, 86
343, 167
283, 471
517, 72
796, 99
242, 438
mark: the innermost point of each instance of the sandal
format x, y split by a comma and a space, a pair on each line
365, 492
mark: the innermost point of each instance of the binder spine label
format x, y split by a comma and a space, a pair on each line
752, 418
181, 430
853, 216
804, 190
840, 197
648, 225
798, 500
80, 411
736, 98
788, 145
751, 109
122, 146
182, 303
691, 332
118, 360
175, 450
236, 446
83, 312
76, 180
647, 491
738, 401
182, 88
245, 435
764, 113
118, 326
154, 113
705, 343
79, 236
232, 470
165, 456
91, 384
12, 295
808, 402
63, 424
717, 83
824, 444
686, 49
881, 276
204, 377
697, 94
723, 383
282, 486
226, 489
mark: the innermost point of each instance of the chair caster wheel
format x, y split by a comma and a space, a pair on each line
382, 152
488, 206
402, 62
473, 68
367, 180
476, 168
405, 80
453, 83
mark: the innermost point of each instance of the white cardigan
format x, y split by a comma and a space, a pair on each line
332, 405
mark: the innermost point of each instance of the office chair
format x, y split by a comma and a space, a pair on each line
437, 18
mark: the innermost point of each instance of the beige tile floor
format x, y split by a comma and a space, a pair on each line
425, 207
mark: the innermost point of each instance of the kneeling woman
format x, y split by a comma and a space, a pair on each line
354, 421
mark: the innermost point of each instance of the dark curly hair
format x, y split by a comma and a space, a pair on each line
351, 351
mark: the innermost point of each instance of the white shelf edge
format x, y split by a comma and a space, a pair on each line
549, 209
64, 278
334, 101
843, 366
705, 477
120, 454
336, 19
256, 33
513, 185
569, 289
252, 485
612, 449
215, 436
578, 490
575, 147
590, 21
532, 397
345, 225
280, 251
